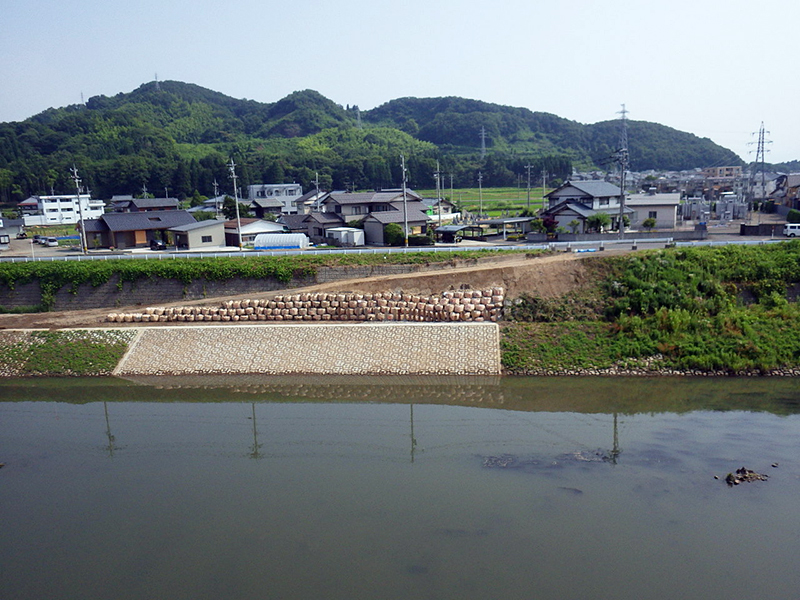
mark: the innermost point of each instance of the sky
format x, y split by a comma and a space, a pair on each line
714, 68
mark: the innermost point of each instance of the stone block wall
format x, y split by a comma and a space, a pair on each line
333, 349
451, 306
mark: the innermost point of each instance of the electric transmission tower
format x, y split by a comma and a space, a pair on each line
761, 151
483, 141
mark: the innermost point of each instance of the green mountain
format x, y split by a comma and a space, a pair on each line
454, 124
176, 138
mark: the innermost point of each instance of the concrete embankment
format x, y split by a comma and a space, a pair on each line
341, 349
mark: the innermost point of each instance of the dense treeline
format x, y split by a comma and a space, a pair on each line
176, 138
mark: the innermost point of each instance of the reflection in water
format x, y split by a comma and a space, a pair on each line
108, 431
398, 488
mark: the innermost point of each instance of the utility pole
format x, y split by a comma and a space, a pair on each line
232, 169
483, 141
438, 176
405, 201
77, 180
528, 167
316, 187
622, 159
451, 189
544, 185
480, 194
216, 195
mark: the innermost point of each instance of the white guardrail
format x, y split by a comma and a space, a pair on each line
582, 246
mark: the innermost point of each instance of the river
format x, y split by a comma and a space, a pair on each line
357, 488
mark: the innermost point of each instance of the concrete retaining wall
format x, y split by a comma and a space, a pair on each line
341, 349
148, 292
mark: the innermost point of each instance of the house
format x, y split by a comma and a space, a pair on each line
250, 229
375, 210
201, 234
144, 204
375, 222
579, 200
268, 196
661, 207
60, 210
318, 223
447, 209
310, 202
133, 230
11, 227
787, 190
211, 205
295, 223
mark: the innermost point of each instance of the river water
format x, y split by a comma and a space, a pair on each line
406, 488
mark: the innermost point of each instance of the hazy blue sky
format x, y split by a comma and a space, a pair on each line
710, 67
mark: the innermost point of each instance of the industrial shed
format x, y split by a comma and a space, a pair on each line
202, 234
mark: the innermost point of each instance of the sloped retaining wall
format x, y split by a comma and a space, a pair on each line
462, 305
340, 349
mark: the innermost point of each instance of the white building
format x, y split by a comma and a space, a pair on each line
662, 208
60, 210
287, 193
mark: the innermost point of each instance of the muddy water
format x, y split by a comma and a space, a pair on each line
398, 488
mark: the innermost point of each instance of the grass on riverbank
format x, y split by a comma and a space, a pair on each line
73, 353
706, 309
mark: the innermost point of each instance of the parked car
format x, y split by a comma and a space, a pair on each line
51, 242
36, 238
791, 229
157, 245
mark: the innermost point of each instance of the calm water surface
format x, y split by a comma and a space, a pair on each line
360, 488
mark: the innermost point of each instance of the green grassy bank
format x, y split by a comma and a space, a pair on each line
705, 310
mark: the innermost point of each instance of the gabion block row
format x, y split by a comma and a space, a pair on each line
462, 305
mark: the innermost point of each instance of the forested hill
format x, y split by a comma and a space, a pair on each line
454, 124
180, 136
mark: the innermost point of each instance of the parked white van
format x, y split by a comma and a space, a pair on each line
791, 229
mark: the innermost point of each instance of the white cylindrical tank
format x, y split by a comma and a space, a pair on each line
281, 241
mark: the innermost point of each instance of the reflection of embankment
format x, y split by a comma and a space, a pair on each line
463, 391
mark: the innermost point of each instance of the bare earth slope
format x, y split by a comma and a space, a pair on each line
548, 277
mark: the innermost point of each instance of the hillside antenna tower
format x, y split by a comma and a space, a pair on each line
622, 160
77, 181
483, 141
232, 169
405, 200
158, 85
